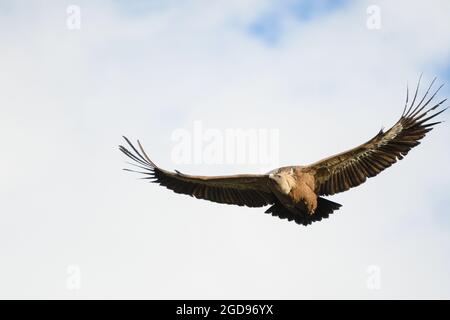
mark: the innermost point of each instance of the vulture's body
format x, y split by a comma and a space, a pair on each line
295, 192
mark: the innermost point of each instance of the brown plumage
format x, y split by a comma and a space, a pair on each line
294, 192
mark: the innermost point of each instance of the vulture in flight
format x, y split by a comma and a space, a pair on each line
296, 193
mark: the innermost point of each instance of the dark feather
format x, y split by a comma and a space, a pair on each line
351, 168
243, 190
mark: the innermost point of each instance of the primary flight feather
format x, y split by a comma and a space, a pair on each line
294, 192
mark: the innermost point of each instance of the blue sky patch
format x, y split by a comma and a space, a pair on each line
269, 26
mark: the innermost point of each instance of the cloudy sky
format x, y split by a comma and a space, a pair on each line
325, 75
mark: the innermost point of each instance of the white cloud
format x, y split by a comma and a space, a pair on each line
328, 84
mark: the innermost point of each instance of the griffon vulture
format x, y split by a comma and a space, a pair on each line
295, 192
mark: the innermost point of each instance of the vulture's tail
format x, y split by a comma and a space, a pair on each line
324, 209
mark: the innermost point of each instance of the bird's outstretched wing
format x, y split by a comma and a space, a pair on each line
249, 190
349, 169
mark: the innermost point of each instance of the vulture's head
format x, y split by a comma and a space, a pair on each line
281, 181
